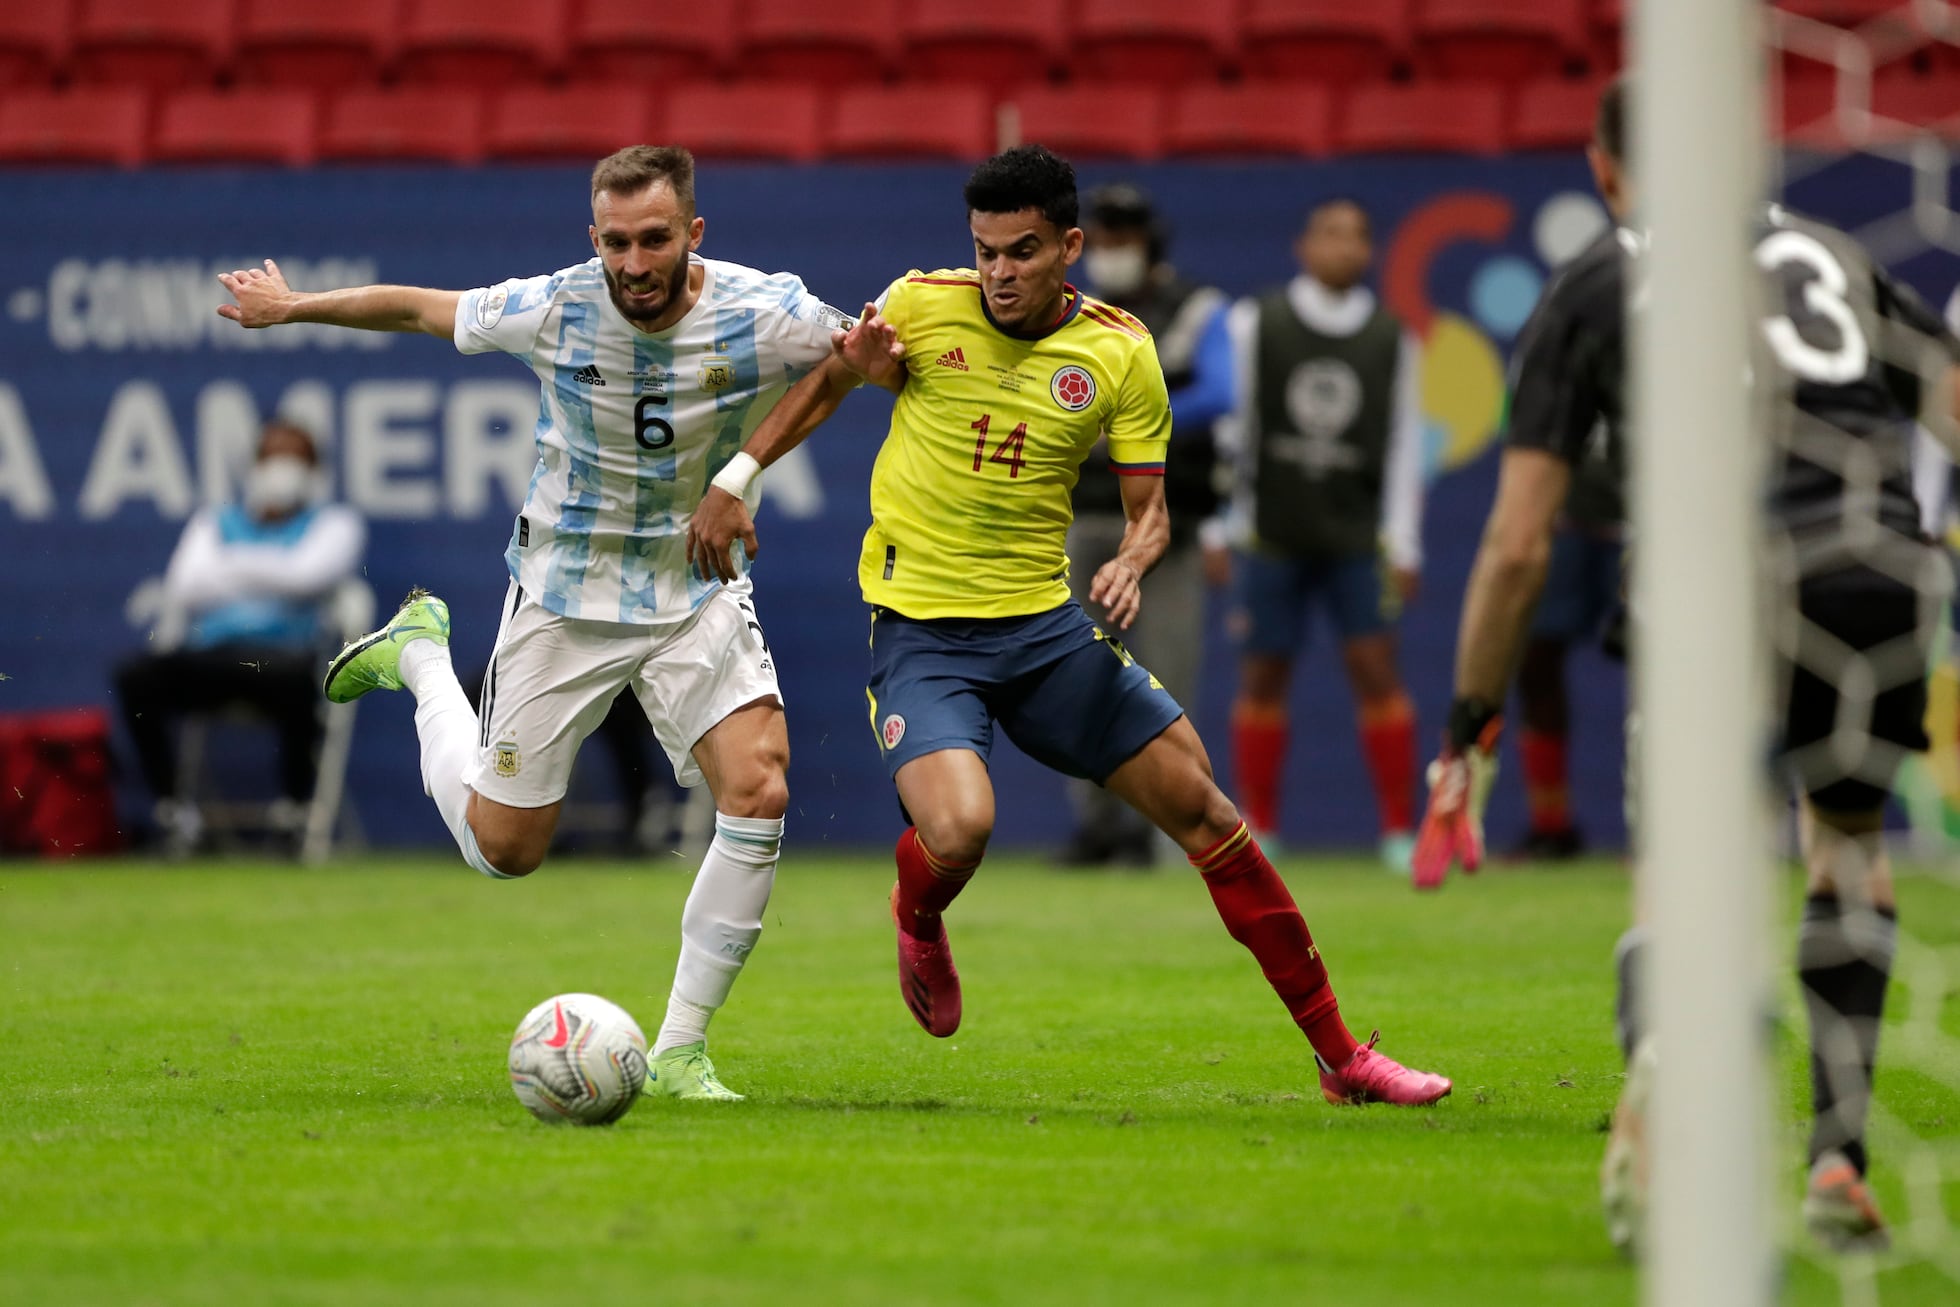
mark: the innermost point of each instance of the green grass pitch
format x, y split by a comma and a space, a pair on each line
235, 1084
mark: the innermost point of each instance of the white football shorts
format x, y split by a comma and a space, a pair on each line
552, 680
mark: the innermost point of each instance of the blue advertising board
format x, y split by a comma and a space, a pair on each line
125, 401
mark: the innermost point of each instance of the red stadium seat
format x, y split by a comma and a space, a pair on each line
1120, 120
919, 121
254, 126
799, 39
159, 44
633, 41
306, 43
753, 120
1164, 41
1907, 104
1555, 113
481, 44
1609, 35
1262, 118
1846, 13
1503, 40
586, 121
33, 41
418, 123
91, 125
1329, 40
1004, 43
1445, 117
1805, 110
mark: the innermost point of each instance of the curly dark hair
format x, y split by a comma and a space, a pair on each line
1025, 177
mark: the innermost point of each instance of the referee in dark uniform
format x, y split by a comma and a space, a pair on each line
1843, 346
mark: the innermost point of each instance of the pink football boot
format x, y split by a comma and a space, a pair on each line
927, 979
1371, 1077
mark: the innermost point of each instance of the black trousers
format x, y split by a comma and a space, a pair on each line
279, 684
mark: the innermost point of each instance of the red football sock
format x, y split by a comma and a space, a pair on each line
925, 883
1543, 757
1258, 753
1388, 741
1259, 912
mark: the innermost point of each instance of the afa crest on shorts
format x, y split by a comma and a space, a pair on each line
506, 759
1073, 388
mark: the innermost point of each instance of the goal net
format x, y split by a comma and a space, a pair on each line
1847, 111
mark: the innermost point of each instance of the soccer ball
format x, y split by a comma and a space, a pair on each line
578, 1057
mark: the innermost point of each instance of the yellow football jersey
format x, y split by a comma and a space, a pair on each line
970, 496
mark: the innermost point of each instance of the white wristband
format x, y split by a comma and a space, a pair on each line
735, 478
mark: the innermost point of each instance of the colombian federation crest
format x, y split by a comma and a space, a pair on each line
717, 372
506, 760
1073, 388
892, 730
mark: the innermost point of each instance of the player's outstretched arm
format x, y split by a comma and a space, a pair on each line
1118, 584
263, 299
1504, 584
869, 351
1509, 571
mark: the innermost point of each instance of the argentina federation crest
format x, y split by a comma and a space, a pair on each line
507, 760
717, 373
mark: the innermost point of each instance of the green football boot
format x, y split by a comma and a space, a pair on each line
373, 662
685, 1072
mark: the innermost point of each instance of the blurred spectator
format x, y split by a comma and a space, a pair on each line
1327, 434
1126, 262
242, 624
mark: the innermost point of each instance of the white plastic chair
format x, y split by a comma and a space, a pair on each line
348, 612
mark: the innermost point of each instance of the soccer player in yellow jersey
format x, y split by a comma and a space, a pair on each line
1006, 377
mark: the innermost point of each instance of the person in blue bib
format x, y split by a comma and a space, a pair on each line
245, 586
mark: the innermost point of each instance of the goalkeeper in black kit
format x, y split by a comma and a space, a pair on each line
1858, 591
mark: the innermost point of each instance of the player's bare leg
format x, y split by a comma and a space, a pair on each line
745, 761
950, 797
513, 841
1170, 782
1386, 721
1259, 737
1844, 958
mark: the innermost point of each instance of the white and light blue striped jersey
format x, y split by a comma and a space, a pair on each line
632, 426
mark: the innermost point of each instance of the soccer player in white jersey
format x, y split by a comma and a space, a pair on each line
655, 365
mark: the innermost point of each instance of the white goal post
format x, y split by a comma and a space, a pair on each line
1700, 664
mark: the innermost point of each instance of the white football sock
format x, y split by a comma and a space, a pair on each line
447, 729
721, 923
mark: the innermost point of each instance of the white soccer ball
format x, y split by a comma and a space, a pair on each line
579, 1058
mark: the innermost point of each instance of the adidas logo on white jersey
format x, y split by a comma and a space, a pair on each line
588, 376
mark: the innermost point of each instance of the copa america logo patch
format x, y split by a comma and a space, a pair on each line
1073, 388
491, 307
892, 730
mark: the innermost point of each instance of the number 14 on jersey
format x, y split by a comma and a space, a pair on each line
1007, 452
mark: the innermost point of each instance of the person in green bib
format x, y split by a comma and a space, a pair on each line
1328, 510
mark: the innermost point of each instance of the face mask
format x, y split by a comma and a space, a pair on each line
1120, 271
278, 484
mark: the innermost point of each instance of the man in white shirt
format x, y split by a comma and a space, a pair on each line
654, 364
242, 599
1327, 434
